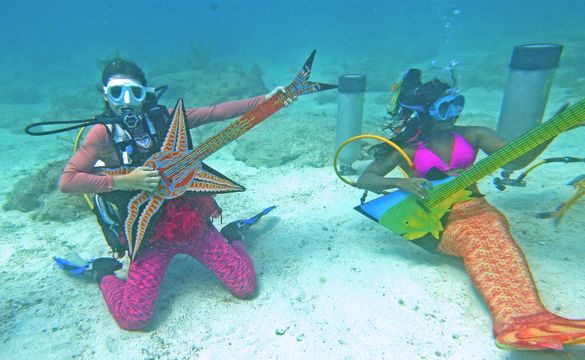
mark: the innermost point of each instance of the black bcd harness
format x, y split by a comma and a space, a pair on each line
111, 208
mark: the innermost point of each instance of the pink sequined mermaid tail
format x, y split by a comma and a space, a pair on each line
183, 228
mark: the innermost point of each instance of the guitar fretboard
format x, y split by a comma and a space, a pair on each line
237, 128
299, 86
570, 117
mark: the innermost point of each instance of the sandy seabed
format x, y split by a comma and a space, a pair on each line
331, 283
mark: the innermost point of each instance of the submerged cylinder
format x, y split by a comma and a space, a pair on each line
350, 109
531, 74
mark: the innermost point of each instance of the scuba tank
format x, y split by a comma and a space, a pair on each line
350, 108
528, 86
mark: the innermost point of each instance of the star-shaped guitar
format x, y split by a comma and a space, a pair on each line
183, 170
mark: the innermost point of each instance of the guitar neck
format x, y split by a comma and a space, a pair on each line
517, 147
299, 86
238, 128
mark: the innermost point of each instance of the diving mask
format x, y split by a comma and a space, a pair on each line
126, 92
447, 107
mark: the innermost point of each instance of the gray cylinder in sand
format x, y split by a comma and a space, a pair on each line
350, 109
531, 74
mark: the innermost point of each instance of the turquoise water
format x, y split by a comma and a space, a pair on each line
51, 59
62, 40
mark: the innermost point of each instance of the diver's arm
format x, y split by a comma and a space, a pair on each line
77, 178
528, 157
490, 142
223, 111
373, 178
230, 109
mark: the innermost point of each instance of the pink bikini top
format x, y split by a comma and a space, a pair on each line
462, 156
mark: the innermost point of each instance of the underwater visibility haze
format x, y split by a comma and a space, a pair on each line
298, 273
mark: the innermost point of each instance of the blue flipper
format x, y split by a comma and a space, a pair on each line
73, 264
236, 229
255, 218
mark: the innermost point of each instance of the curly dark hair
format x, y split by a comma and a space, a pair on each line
429, 92
416, 125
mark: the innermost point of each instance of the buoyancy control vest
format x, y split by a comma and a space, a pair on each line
111, 208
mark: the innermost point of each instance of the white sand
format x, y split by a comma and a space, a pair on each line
331, 283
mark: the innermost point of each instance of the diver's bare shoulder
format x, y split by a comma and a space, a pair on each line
478, 136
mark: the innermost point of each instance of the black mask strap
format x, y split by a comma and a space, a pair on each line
159, 91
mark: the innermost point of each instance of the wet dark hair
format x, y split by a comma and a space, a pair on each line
120, 66
430, 92
416, 128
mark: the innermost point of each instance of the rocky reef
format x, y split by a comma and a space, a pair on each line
39, 195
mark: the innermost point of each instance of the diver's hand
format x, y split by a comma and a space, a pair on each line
280, 89
141, 178
417, 186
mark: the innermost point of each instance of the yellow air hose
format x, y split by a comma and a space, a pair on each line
380, 138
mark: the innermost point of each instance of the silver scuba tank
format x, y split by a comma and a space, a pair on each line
350, 108
529, 81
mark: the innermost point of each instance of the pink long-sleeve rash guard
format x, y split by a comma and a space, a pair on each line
77, 176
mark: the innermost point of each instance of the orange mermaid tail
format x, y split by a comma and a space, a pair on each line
541, 331
479, 233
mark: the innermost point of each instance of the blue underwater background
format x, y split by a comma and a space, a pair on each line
60, 41
352, 289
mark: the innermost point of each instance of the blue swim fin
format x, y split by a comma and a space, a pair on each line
237, 229
94, 268
254, 219
73, 264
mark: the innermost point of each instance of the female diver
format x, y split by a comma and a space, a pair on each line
474, 230
184, 225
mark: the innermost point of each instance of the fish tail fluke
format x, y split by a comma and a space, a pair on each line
307, 66
550, 332
301, 84
321, 86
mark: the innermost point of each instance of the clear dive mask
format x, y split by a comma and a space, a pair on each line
447, 107
126, 92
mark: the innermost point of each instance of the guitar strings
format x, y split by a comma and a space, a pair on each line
570, 117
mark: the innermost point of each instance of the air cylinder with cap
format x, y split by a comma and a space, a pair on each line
350, 108
528, 86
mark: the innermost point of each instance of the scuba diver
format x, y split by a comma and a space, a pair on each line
424, 119
131, 129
